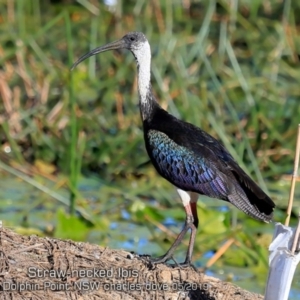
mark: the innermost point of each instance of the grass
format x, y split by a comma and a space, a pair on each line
232, 69
200, 68
75, 165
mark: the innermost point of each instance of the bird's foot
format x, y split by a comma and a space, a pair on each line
185, 264
153, 261
159, 260
188, 265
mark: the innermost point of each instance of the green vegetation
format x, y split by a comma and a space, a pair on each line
77, 136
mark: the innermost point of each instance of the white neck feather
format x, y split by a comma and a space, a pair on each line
143, 58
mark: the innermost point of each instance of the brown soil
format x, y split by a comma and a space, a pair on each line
29, 267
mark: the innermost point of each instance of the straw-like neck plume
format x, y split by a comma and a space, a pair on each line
142, 54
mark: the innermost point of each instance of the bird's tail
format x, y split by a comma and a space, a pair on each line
251, 199
260, 209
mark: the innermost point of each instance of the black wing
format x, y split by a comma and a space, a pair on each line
195, 161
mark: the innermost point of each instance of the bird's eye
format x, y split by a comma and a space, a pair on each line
132, 38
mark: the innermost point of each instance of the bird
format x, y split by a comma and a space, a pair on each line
188, 157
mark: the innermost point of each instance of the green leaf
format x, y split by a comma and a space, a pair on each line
70, 227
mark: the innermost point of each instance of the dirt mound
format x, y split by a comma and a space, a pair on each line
44, 268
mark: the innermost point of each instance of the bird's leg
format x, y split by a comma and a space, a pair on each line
189, 201
192, 208
188, 224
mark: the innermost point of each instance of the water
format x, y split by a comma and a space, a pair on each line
23, 205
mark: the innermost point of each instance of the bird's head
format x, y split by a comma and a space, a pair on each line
136, 42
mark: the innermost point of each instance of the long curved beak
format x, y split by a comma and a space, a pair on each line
120, 44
